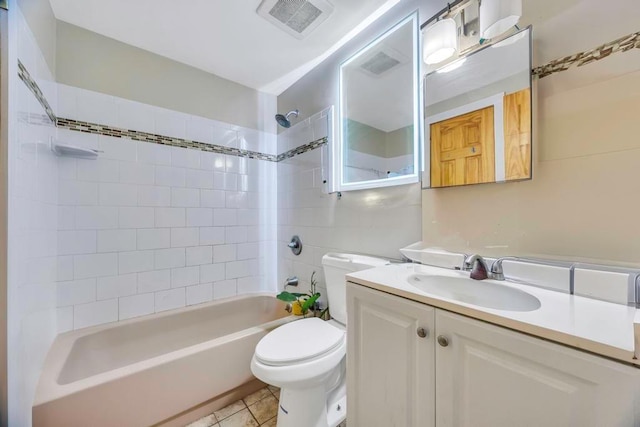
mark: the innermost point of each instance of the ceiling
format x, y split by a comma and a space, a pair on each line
223, 37
227, 38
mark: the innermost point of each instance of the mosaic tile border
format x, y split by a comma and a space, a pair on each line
35, 89
98, 129
303, 149
623, 44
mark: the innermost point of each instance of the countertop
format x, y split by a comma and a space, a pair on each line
592, 325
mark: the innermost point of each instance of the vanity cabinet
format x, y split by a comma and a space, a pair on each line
473, 374
390, 362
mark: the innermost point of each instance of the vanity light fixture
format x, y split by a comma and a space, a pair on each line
498, 16
440, 41
511, 39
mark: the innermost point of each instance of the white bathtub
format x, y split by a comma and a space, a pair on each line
150, 370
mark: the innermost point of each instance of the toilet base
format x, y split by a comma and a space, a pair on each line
313, 407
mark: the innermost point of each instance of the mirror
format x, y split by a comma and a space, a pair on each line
478, 116
380, 112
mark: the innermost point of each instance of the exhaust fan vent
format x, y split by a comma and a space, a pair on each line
296, 17
382, 61
379, 63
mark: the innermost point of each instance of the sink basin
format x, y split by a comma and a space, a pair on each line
482, 293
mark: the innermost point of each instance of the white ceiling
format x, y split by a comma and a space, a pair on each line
227, 37
223, 37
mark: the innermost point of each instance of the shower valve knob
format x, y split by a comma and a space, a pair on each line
295, 245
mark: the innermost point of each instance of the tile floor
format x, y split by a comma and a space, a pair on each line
259, 409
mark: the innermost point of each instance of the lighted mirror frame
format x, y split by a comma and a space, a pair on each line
341, 144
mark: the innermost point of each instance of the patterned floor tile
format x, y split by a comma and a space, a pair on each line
208, 421
275, 391
257, 396
240, 419
226, 412
265, 409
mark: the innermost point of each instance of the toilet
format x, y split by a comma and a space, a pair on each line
306, 358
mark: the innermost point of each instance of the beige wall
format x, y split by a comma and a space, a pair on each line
366, 139
583, 202
91, 61
369, 140
399, 142
42, 22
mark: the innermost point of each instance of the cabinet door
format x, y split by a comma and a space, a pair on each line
390, 367
489, 376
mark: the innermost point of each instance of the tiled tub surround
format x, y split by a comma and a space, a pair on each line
32, 221
376, 222
161, 220
149, 227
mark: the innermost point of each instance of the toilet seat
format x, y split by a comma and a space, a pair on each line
299, 342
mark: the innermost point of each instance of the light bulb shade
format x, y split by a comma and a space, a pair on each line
440, 41
497, 16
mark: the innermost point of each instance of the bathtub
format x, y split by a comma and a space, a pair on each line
164, 369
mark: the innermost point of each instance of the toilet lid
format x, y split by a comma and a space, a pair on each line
298, 341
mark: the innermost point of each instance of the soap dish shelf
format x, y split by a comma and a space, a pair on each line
65, 150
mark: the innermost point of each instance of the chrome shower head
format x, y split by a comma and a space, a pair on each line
283, 120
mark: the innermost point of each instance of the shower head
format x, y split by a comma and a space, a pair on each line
283, 120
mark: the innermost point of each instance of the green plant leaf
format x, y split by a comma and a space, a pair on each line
287, 297
310, 302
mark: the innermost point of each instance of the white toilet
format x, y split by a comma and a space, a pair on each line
306, 358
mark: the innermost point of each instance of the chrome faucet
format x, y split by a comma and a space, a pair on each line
479, 270
477, 266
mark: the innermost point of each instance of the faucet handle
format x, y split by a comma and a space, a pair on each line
496, 270
496, 267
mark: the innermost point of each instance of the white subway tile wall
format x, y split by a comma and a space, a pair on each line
33, 245
376, 222
146, 227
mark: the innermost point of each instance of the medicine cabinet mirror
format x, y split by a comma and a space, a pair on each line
380, 114
478, 115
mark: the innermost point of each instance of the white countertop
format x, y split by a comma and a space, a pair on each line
596, 326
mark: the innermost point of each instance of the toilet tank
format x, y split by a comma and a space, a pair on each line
336, 266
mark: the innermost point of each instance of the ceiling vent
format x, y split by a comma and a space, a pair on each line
296, 17
382, 61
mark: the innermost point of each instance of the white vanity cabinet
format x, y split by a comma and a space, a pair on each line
473, 374
491, 376
390, 360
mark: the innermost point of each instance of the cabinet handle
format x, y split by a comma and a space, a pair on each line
422, 332
443, 341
